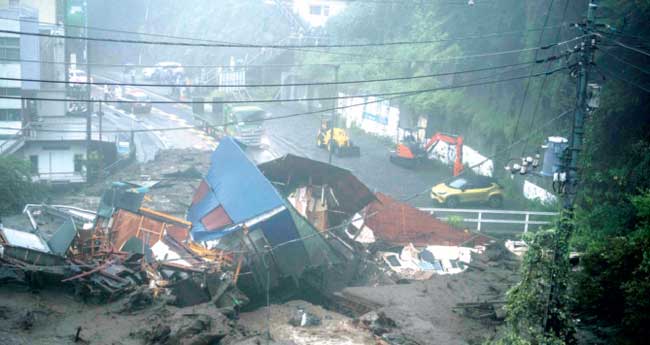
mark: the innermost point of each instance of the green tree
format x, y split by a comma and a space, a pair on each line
16, 186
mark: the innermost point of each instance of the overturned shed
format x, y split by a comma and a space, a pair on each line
237, 209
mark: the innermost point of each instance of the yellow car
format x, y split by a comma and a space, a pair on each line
468, 190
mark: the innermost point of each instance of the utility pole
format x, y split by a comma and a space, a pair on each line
66, 50
333, 120
89, 93
100, 114
553, 321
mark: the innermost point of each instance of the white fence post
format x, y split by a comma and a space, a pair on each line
526, 222
478, 225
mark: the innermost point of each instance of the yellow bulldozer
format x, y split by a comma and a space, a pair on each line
336, 140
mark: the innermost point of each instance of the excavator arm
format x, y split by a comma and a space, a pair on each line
454, 140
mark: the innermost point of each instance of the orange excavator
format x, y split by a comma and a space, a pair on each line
410, 153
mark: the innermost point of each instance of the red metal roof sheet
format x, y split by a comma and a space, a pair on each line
399, 223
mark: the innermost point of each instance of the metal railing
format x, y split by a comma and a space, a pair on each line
63, 176
11, 145
507, 220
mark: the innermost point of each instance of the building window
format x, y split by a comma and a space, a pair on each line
33, 160
326, 10
10, 115
9, 48
78, 163
315, 10
9, 91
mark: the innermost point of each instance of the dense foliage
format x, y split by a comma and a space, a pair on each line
528, 304
16, 187
611, 219
487, 116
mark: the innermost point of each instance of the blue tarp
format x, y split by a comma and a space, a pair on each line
239, 187
200, 234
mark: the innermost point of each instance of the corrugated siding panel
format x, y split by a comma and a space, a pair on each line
216, 219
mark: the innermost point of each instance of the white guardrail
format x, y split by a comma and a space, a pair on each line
516, 218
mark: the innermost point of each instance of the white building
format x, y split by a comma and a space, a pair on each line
14, 50
317, 12
47, 135
10, 109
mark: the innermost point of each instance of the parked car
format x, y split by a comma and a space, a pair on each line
135, 102
464, 190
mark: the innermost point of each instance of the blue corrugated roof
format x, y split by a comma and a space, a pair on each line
237, 185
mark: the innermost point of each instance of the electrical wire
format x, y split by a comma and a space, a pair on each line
240, 44
470, 37
607, 53
236, 44
615, 76
320, 83
274, 100
532, 69
541, 88
264, 120
220, 45
621, 44
383, 62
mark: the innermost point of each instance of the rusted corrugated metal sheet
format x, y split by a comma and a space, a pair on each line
216, 219
127, 224
399, 223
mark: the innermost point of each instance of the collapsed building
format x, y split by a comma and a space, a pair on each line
291, 227
241, 208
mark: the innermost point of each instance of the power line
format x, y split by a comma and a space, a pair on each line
621, 44
384, 62
268, 100
469, 37
541, 88
626, 62
525, 96
333, 63
236, 44
616, 76
406, 94
222, 45
269, 85
619, 34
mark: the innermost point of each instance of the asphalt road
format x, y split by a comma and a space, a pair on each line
296, 135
